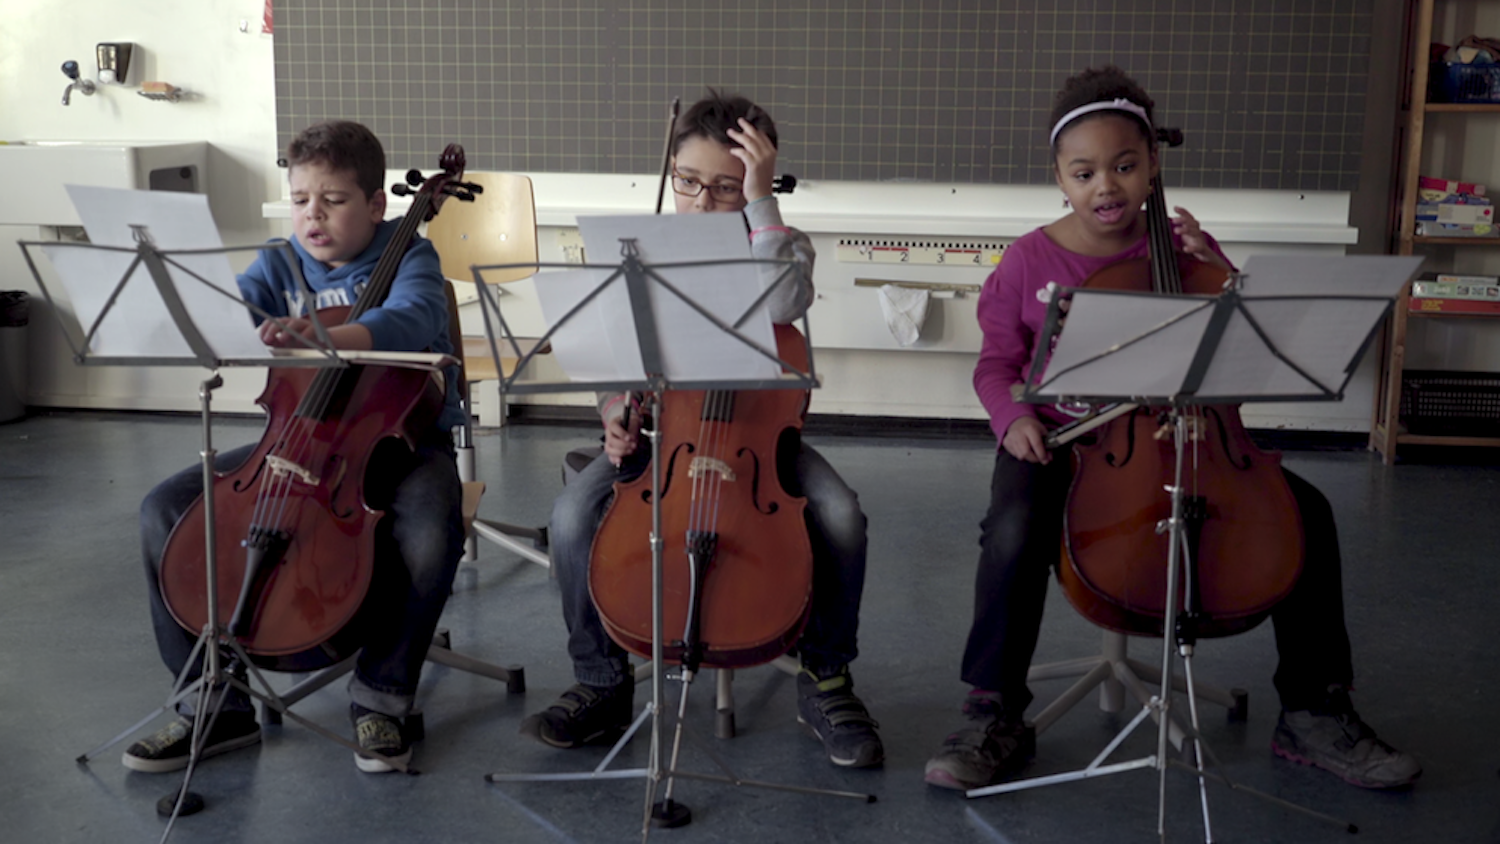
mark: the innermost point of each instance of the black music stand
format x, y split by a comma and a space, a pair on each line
1284, 329
194, 316
645, 288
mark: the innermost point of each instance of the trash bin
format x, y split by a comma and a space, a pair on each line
15, 309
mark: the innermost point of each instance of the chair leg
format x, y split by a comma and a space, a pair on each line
724, 705
724, 721
513, 676
1115, 672
466, 472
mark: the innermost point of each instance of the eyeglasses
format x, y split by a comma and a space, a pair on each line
689, 186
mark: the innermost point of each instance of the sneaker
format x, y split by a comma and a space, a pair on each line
583, 715
827, 707
1334, 738
169, 748
380, 736
994, 745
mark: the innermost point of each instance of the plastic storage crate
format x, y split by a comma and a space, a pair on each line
1469, 83
1451, 403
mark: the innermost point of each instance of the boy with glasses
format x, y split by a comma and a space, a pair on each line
723, 161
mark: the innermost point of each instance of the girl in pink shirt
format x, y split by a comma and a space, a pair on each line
1103, 141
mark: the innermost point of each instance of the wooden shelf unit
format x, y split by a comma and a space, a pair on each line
1385, 426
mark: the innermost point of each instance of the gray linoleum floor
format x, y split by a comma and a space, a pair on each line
78, 665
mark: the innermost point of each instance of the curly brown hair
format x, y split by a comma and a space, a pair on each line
1101, 84
713, 116
341, 145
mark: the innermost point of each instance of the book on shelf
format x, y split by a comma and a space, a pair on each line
1432, 305
1432, 228
1449, 186
1463, 215
1443, 286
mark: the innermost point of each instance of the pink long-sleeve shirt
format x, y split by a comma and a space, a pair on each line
1012, 310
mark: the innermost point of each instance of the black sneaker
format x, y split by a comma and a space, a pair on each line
827, 707
994, 745
169, 748
583, 715
1334, 738
381, 736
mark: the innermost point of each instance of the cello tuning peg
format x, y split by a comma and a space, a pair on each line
414, 177
400, 190
473, 188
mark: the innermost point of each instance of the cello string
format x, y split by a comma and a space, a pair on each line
720, 436
710, 436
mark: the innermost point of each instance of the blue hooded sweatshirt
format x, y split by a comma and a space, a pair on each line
413, 317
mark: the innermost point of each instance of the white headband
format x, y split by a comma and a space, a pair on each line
1121, 104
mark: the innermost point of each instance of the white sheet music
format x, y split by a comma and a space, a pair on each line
1311, 319
138, 324
601, 342
598, 343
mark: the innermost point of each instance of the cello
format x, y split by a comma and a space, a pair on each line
1244, 546
294, 533
736, 556
736, 560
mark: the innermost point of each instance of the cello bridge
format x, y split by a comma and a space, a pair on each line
701, 466
281, 467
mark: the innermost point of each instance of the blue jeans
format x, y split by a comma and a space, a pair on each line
1019, 541
417, 548
836, 528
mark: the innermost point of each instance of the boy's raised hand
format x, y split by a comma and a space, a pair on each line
759, 156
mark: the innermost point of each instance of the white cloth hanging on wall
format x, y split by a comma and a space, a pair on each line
905, 309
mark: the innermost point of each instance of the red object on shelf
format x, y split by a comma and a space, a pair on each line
1449, 186
1427, 305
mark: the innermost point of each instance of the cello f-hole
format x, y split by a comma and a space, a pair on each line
1110, 459
1240, 461
243, 484
670, 473
769, 507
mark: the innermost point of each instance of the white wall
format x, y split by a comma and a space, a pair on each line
196, 45
199, 46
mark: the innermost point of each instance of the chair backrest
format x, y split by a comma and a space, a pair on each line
498, 227
456, 336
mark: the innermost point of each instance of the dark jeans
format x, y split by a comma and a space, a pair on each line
417, 548
835, 524
1019, 543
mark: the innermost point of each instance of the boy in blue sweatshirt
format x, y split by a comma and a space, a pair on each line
338, 219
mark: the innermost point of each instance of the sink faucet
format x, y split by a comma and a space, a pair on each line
70, 69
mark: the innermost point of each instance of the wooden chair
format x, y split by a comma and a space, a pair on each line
499, 227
